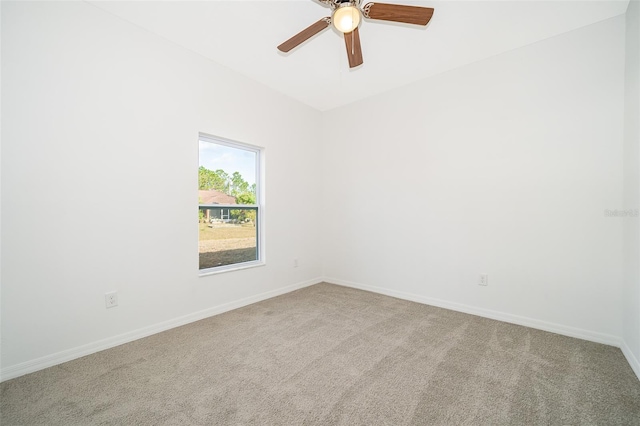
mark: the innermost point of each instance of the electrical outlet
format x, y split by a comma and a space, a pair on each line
484, 279
111, 299
296, 263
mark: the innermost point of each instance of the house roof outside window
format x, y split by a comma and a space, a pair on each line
215, 197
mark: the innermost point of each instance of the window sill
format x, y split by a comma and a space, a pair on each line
229, 268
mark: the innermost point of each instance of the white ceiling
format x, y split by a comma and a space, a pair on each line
243, 36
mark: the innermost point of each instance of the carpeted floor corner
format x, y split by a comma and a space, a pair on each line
330, 355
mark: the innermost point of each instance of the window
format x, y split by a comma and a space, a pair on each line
229, 213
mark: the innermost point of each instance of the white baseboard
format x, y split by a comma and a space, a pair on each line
90, 348
631, 359
579, 333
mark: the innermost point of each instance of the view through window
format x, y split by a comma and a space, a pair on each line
228, 204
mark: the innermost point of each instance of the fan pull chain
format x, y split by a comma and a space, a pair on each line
353, 50
353, 43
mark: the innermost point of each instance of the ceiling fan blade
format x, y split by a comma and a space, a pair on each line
399, 13
305, 34
354, 50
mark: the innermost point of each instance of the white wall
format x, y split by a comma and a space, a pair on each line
99, 182
631, 333
503, 167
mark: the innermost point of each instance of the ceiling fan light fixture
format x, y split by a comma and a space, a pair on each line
346, 18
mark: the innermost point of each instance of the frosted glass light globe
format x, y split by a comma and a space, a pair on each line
346, 18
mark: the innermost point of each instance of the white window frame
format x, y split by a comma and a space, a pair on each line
259, 207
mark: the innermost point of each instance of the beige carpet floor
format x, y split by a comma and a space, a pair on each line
329, 355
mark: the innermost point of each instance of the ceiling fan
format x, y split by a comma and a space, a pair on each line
346, 17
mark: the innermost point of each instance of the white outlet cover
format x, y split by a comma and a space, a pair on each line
111, 299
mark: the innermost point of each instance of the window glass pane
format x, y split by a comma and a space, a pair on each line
227, 178
226, 238
227, 170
